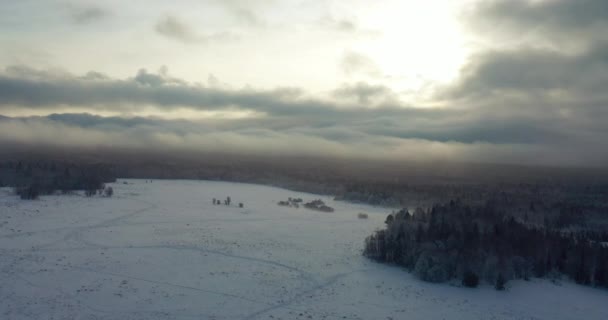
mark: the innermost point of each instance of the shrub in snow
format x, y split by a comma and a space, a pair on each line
362, 215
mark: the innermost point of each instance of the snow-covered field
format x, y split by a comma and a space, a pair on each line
161, 250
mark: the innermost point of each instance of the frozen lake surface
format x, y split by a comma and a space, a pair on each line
162, 250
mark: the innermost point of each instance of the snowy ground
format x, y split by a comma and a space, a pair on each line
161, 250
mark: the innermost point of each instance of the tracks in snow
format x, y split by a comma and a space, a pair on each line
77, 234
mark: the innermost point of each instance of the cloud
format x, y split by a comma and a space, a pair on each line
558, 65
540, 84
548, 20
535, 93
247, 17
173, 28
341, 25
86, 14
346, 26
37, 89
245, 11
354, 63
364, 93
536, 71
329, 141
360, 119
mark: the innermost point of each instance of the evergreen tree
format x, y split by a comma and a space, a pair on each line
500, 282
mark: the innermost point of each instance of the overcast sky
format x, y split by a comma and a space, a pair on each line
489, 80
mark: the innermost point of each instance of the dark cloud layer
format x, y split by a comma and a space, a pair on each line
564, 45
41, 89
580, 20
559, 66
371, 121
382, 138
540, 100
365, 93
527, 70
550, 71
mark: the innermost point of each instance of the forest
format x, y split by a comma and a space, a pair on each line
474, 243
31, 179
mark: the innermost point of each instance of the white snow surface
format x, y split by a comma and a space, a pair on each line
162, 250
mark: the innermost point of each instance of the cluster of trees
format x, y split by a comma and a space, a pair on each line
476, 243
291, 202
318, 205
227, 202
32, 179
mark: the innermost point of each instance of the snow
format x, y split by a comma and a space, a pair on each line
162, 250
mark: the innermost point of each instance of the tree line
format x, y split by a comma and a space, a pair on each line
476, 243
32, 179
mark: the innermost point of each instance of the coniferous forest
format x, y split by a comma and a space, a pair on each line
31, 179
473, 244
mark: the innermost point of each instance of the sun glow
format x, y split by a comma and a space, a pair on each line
419, 42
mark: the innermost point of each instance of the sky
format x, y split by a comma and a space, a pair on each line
509, 81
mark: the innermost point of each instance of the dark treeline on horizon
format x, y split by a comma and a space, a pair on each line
31, 179
348, 177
